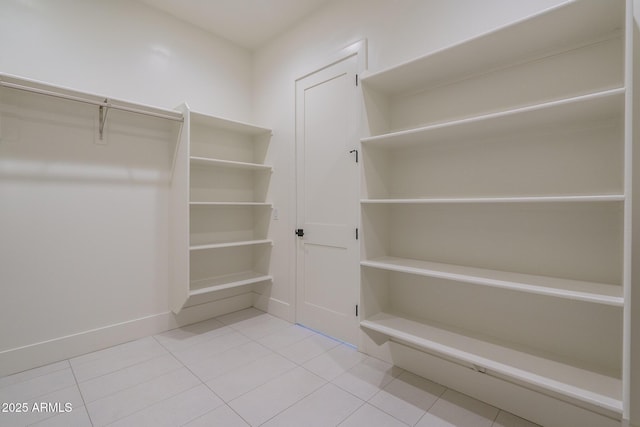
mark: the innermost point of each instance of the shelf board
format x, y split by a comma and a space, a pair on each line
553, 30
230, 204
500, 359
230, 244
598, 293
591, 108
227, 124
200, 287
532, 199
204, 161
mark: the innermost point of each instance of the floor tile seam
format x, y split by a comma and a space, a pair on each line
84, 402
207, 386
122, 369
131, 386
212, 355
281, 330
37, 376
128, 364
350, 392
337, 361
386, 413
396, 418
421, 416
113, 347
49, 416
301, 363
364, 402
253, 338
136, 385
61, 415
52, 391
218, 354
152, 404
230, 330
253, 388
297, 401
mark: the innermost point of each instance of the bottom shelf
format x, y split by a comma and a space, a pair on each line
597, 391
213, 284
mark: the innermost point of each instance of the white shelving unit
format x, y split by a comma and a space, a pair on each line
494, 209
221, 217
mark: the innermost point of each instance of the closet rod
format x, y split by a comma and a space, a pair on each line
90, 101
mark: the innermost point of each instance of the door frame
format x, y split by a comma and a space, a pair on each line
359, 50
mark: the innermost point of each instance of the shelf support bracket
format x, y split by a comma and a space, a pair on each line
102, 117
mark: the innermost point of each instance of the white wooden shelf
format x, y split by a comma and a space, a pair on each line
556, 29
227, 124
203, 161
588, 387
230, 244
541, 199
219, 211
201, 287
591, 108
231, 204
599, 293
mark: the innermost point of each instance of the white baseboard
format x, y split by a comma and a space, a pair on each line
273, 306
60, 348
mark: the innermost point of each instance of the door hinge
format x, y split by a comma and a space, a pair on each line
356, 80
356, 234
356, 310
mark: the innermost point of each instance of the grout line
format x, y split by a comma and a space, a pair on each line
33, 398
153, 404
81, 395
68, 365
301, 399
364, 402
131, 386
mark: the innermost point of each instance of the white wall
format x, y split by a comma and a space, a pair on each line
84, 228
396, 31
125, 50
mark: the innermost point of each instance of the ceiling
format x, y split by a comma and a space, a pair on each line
248, 23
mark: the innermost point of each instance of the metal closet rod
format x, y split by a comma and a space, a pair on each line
104, 103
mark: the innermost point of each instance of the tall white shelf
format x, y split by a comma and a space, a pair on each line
220, 214
494, 209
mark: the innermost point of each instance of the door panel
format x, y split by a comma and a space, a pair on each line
327, 209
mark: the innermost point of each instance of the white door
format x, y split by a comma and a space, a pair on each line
327, 269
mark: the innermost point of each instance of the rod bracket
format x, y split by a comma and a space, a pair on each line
102, 117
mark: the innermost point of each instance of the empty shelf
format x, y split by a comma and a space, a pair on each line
599, 293
532, 199
594, 107
555, 29
204, 286
230, 244
585, 386
230, 204
204, 161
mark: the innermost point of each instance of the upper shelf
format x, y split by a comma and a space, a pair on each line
574, 23
591, 108
33, 86
203, 161
226, 124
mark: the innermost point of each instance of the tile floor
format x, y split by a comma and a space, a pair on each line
244, 368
